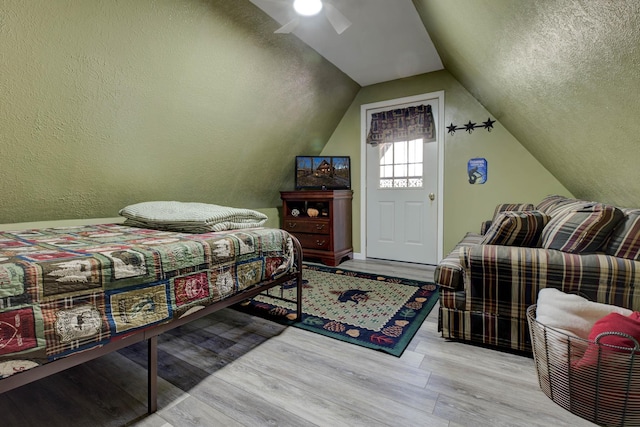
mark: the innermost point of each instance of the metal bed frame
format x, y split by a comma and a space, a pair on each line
151, 336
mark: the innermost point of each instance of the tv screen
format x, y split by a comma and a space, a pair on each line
323, 172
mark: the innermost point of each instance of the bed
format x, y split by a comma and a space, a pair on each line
72, 294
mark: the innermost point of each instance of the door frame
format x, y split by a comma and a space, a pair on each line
439, 95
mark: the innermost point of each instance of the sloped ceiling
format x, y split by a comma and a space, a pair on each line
562, 76
109, 103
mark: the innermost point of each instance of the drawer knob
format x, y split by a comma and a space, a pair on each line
319, 243
319, 226
292, 225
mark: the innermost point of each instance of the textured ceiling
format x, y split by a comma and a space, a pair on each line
562, 76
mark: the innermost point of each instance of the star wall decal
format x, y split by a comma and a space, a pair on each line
488, 125
470, 126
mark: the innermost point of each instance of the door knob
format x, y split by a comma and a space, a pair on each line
432, 197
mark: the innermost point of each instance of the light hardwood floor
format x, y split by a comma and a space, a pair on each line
232, 369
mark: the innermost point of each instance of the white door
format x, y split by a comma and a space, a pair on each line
402, 185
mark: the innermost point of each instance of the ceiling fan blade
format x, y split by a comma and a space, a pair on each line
336, 18
288, 27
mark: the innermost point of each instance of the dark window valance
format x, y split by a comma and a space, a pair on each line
404, 124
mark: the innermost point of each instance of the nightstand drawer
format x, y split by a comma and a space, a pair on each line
301, 226
314, 241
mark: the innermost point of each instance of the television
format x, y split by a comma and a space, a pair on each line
323, 172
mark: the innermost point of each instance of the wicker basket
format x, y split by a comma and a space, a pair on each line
602, 386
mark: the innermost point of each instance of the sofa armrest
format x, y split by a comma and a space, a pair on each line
449, 272
505, 280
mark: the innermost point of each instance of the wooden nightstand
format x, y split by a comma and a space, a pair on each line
326, 237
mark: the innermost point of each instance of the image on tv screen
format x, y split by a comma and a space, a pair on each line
323, 172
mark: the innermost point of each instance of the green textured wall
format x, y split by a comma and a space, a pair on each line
513, 175
562, 76
107, 103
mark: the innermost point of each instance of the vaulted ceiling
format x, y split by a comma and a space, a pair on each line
562, 76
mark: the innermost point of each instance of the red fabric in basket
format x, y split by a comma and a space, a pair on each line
614, 365
613, 322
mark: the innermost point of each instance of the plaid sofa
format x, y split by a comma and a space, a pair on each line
580, 247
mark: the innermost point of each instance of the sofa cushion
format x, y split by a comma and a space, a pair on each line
581, 230
484, 226
512, 228
567, 206
558, 205
503, 207
625, 239
550, 202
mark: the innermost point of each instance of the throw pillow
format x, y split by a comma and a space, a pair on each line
625, 239
503, 207
512, 228
581, 230
550, 202
559, 205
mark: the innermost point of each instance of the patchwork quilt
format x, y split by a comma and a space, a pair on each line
65, 290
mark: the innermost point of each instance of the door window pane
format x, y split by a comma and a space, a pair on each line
386, 171
401, 164
400, 170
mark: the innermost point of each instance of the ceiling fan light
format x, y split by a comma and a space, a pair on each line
307, 7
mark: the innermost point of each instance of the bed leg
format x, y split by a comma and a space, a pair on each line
152, 374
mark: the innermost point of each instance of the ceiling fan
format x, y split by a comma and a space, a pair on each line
338, 21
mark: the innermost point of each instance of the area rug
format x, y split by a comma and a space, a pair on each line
374, 311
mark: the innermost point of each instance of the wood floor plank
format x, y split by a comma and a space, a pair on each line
352, 394
73, 397
131, 379
305, 403
351, 356
247, 408
334, 368
192, 412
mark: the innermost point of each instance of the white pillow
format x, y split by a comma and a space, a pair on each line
190, 217
570, 313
